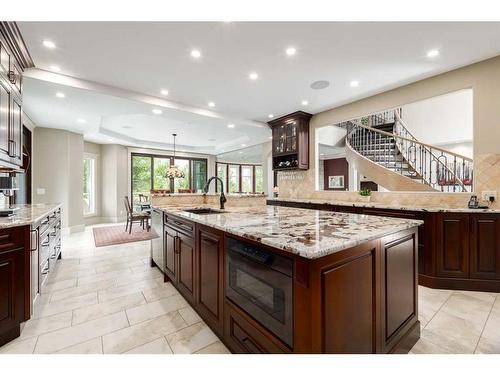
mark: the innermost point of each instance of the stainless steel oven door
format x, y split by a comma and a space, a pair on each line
262, 292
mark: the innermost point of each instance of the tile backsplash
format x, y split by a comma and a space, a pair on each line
300, 184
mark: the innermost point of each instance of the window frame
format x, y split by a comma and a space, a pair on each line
240, 165
171, 158
93, 187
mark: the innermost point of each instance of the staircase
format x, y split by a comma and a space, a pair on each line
382, 148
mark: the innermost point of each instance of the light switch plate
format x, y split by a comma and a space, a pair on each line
40, 191
487, 194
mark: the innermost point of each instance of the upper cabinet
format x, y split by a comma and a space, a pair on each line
291, 141
14, 58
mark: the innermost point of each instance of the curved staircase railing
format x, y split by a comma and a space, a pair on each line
401, 152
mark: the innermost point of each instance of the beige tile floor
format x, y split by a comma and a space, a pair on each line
109, 300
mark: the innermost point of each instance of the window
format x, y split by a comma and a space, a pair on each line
182, 183
89, 183
244, 178
160, 168
234, 179
259, 179
141, 176
199, 176
149, 172
247, 178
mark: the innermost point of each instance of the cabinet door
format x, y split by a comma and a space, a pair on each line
452, 248
185, 254
4, 59
5, 118
170, 238
11, 289
485, 247
210, 295
16, 133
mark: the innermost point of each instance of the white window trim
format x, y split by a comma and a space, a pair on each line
95, 157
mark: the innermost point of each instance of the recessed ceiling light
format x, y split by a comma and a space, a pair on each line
230, 126
354, 83
49, 44
196, 54
157, 111
81, 120
55, 68
290, 51
243, 145
304, 102
271, 137
211, 104
270, 115
253, 76
433, 53
164, 92
319, 85
60, 95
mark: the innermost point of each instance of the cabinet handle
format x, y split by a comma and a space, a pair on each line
11, 149
35, 232
12, 77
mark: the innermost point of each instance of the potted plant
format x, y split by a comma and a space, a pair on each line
365, 195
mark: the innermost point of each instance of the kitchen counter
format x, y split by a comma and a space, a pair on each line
27, 214
308, 233
383, 205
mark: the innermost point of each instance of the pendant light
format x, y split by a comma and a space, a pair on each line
173, 171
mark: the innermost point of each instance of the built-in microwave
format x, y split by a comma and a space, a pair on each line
260, 282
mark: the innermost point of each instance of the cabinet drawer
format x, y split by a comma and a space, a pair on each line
244, 336
11, 238
179, 224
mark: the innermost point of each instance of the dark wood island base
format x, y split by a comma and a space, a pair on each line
363, 299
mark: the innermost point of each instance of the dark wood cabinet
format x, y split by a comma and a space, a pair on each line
186, 274
170, 261
452, 255
14, 58
12, 282
5, 119
210, 271
456, 250
180, 255
290, 144
485, 246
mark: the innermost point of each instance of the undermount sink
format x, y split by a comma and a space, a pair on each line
203, 211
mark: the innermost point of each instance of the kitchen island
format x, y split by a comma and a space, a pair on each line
272, 279
30, 245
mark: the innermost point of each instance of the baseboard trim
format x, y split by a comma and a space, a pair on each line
478, 285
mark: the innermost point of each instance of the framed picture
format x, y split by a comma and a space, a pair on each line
336, 182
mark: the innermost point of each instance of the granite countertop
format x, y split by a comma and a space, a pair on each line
27, 214
383, 205
307, 233
230, 195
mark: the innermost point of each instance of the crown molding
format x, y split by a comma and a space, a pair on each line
15, 41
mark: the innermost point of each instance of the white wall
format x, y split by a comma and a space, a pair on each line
114, 166
442, 119
58, 173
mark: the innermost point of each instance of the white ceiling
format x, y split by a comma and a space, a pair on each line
250, 155
144, 58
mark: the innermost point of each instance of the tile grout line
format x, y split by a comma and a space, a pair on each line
484, 326
438, 310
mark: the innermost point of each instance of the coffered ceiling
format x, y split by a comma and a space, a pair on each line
246, 69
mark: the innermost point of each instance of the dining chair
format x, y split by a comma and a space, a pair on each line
141, 217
